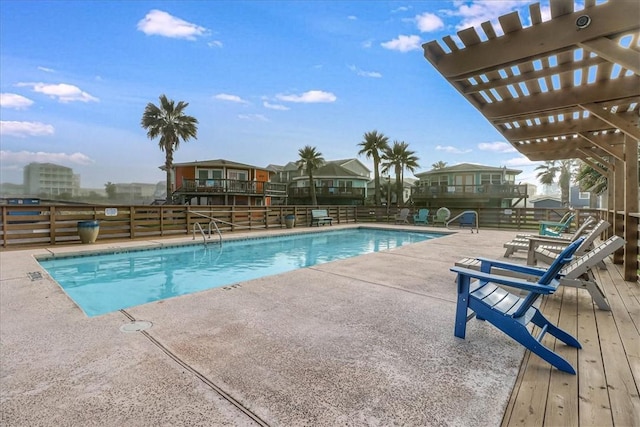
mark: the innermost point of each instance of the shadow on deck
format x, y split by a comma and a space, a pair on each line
605, 390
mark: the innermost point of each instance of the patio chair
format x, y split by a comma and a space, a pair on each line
422, 217
531, 243
578, 274
402, 216
586, 224
550, 228
509, 312
442, 215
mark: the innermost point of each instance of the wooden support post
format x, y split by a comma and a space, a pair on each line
631, 206
132, 222
618, 206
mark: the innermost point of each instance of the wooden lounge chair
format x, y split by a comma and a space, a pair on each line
578, 274
402, 216
584, 227
531, 243
550, 228
422, 217
509, 312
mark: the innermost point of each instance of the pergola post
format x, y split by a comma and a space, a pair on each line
631, 206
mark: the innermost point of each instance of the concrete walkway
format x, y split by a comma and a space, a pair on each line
366, 341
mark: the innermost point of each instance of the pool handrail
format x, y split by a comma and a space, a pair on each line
475, 213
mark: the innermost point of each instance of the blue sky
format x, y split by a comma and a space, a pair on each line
263, 78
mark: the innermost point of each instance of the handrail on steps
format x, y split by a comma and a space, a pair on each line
212, 221
475, 216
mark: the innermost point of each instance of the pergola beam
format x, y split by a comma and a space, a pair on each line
620, 88
613, 52
541, 39
614, 120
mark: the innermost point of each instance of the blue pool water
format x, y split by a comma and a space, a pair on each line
104, 283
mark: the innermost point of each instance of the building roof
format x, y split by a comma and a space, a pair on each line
468, 167
333, 170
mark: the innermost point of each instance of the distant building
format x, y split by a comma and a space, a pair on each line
135, 192
337, 182
469, 185
50, 180
223, 182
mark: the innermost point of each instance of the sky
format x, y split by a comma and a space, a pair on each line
263, 79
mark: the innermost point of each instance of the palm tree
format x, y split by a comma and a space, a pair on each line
310, 160
439, 165
172, 125
563, 169
400, 158
374, 143
592, 181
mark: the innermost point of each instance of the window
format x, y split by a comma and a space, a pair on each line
584, 195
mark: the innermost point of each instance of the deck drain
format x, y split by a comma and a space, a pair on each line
136, 326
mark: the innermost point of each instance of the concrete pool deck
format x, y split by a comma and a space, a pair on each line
362, 341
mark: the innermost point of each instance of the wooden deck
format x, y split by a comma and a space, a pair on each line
605, 390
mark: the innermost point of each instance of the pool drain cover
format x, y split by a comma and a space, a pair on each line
136, 326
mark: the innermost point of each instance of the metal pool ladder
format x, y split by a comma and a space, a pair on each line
204, 238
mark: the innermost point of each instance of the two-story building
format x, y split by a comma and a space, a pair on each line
223, 182
468, 186
337, 182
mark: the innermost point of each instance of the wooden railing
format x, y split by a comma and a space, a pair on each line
24, 226
341, 192
506, 191
234, 186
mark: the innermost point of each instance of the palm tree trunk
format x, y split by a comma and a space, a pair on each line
168, 165
376, 179
312, 190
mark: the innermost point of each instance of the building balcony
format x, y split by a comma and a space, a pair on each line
478, 191
231, 186
328, 192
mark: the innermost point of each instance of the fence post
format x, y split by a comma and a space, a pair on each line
52, 225
132, 222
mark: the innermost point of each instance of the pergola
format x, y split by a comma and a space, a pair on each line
566, 88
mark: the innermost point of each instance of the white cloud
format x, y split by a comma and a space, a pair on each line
253, 117
24, 129
401, 9
47, 70
451, 149
373, 74
474, 13
352, 18
498, 147
215, 43
309, 97
160, 23
520, 161
15, 101
26, 157
428, 22
275, 106
403, 43
62, 92
367, 44
230, 98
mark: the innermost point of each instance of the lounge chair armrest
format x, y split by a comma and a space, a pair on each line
552, 223
552, 239
503, 280
525, 269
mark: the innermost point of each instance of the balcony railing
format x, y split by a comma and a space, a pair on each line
504, 191
232, 186
338, 192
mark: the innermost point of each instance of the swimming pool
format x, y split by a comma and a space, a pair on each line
103, 283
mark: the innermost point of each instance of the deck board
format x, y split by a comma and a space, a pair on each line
605, 390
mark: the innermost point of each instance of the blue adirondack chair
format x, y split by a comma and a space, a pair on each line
511, 313
422, 217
